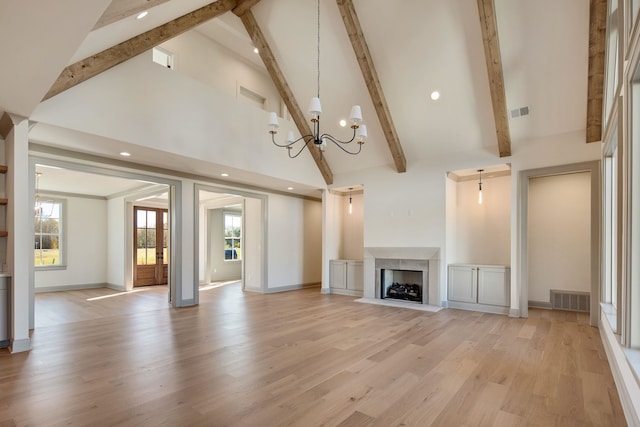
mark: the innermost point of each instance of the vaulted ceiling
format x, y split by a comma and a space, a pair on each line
485, 57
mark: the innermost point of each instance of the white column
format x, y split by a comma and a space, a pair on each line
19, 220
330, 235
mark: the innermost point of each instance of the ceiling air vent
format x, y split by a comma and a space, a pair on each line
519, 112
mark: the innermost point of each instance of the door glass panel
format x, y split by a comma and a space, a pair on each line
141, 219
165, 237
151, 219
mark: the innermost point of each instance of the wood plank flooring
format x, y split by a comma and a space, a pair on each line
301, 359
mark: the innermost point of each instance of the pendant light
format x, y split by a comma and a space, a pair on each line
480, 187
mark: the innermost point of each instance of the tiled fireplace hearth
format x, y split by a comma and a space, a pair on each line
402, 276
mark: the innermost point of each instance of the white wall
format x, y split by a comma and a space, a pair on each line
199, 57
186, 118
559, 234
352, 239
294, 242
409, 209
116, 215
482, 230
86, 246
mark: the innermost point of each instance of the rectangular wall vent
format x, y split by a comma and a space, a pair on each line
570, 300
519, 112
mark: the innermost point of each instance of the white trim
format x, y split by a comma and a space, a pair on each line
292, 288
523, 217
18, 346
626, 383
71, 287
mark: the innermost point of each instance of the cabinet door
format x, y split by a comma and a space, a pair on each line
338, 273
494, 286
462, 284
355, 276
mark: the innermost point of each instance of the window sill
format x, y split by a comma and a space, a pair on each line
49, 267
232, 260
633, 358
611, 313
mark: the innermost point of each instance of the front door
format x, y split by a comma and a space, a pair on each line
151, 257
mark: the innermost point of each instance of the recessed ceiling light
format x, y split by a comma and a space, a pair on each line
255, 50
289, 188
343, 122
125, 154
142, 14
435, 95
224, 174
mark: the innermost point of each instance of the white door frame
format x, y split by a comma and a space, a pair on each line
523, 220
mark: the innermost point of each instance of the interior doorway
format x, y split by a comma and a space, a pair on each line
151, 250
525, 253
231, 238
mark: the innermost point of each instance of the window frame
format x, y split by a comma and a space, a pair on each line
224, 236
62, 237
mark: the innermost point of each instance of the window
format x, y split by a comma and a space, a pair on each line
48, 233
232, 236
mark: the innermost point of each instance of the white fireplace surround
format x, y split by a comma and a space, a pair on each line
409, 258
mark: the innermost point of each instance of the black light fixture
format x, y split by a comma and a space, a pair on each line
480, 187
320, 139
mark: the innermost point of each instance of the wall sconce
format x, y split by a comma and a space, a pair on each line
350, 204
480, 187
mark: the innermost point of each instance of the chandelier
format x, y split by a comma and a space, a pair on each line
317, 138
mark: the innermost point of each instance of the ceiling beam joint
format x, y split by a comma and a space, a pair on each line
87, 68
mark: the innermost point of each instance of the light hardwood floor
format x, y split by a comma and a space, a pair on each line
304, 359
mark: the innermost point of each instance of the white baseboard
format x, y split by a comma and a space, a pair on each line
514, 312
292, 288
18, 346
493, 309
71, 287
347, 292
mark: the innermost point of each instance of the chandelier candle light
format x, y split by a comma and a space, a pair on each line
320, 139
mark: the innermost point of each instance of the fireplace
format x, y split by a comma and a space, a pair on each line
402, 280
424, 260
403, 285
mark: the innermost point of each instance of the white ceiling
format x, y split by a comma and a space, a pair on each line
417, 46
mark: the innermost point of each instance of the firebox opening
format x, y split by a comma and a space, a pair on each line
405, 285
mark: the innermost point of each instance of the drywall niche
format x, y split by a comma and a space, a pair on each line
479, 232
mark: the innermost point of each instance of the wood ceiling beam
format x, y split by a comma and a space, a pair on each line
493, 59
285, 92
92, 66
120, 9
243, 6
352, 24
595, 85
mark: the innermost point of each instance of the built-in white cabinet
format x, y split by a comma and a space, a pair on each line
479, 287
346, 277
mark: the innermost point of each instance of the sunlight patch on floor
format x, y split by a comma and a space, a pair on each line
118, 294
217, 285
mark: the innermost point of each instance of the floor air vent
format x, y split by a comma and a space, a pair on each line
570, 300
